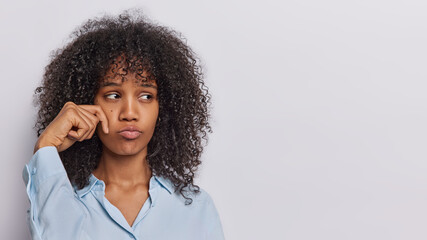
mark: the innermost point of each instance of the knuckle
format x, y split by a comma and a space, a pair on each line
71, 111
69, 103
96, 122
99, 109
81, 137
86, 127
91, 134
93, 118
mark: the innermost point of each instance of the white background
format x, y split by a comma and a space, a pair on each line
319, 110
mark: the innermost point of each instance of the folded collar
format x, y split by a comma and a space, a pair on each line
98, 185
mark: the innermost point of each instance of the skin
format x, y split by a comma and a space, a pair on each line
123, 166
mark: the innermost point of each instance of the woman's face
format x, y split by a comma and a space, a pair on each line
132, 108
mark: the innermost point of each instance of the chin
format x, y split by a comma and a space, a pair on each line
126, 149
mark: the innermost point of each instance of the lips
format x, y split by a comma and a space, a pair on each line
130, 132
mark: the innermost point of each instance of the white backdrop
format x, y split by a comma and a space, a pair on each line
319, 110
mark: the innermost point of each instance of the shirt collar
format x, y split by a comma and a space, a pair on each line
96, 184
93, 181
165, 183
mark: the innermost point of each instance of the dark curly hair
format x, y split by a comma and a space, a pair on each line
74, 74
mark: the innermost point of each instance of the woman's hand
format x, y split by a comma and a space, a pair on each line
73, 123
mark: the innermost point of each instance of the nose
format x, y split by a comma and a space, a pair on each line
129, 110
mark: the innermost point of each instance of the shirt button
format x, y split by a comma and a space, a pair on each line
34, 171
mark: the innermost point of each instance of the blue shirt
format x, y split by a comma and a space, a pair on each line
60, 211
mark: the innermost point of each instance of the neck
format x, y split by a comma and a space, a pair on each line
123, 170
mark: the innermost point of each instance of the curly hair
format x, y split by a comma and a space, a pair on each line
74, 74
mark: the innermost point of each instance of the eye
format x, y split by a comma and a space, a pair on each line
146, 97
112, 96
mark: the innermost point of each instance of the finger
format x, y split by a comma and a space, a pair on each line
72, 135
80, 133
90, 125
94, 119
97, 111
80, 126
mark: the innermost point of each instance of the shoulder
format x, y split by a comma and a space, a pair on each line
202, 212
198, 196
201, 206
193, 199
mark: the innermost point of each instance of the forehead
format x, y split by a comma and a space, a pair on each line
137, 79
122, 69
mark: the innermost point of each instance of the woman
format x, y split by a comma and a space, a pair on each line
122, 121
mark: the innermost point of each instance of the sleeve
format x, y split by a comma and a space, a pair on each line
55, 210
215, 231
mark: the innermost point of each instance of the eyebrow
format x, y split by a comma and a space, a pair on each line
108, 84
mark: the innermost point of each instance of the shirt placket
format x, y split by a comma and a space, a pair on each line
117, 216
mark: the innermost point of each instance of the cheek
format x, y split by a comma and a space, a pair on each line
154, 114
109, 113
